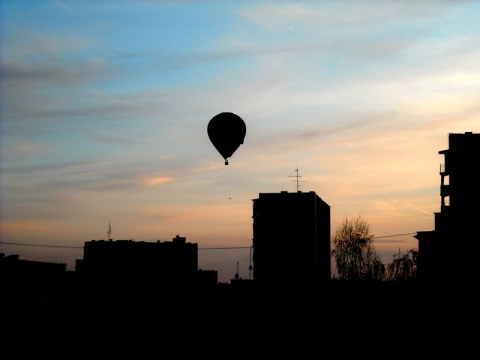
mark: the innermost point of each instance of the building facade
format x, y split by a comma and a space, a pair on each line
291, 238
168, 262
450, 252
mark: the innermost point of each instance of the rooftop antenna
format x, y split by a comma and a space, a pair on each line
297, 181
109, 232
237, 275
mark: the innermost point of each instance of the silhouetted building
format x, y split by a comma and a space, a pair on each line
170, 262
12, 265
26, 283
291, 238
451, 251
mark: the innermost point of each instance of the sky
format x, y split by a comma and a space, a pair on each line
105, 106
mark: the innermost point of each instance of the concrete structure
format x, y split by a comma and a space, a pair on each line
27, 284
12, 265
170, 262
450, 252
291, 238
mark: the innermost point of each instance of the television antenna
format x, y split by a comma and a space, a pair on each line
297, 179
237, 274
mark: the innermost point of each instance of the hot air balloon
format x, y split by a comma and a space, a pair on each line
226, 132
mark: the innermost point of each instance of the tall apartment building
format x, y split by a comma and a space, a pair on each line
291, 238
451, 251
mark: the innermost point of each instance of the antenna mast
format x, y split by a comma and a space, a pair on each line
237, 275
297, 181
109, 232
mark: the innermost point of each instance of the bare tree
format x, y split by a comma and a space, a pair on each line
354, 252
403, 266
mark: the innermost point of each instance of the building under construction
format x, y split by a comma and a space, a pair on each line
451, 251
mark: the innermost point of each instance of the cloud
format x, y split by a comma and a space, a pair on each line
113, 140
156, 180
366, 13
78, 14
22, 150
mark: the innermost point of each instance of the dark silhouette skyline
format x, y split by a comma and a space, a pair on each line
287, 227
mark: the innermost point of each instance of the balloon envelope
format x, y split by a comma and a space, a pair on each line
226, 132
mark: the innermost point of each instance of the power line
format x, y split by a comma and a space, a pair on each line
43, 245
212, 248
81, 247
226, 248
379, 237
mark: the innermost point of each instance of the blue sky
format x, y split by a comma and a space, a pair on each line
105, 106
